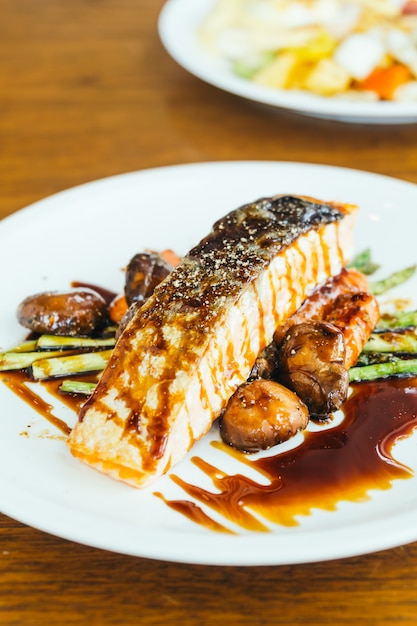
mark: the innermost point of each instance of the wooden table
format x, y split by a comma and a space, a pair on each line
87, 91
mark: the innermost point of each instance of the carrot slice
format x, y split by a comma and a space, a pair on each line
117, 308
385, 80
410, 8
170, 257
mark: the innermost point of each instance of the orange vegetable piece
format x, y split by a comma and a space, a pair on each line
170, 257
385, 80
410, 8
117, 308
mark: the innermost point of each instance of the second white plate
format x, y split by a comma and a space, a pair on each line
178, 23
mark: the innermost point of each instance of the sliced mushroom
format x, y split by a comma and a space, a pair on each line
311, 362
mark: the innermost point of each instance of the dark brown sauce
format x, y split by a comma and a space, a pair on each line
342, 463
333, 465
16, 382
106, 294
193, 512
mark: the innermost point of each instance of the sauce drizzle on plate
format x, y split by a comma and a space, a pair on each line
343, 463
333, 464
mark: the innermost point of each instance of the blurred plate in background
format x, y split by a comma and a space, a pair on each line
178, 24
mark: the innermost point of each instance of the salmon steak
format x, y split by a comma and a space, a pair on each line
195, 340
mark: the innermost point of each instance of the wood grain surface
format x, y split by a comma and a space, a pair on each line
87, 91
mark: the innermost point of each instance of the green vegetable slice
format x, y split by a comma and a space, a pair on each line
69, 365
400, 367
393, 280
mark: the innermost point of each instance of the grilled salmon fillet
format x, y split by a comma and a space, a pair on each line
195, 340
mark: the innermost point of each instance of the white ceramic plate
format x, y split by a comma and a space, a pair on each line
89, 233
178, 24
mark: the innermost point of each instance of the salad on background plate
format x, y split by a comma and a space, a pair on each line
352, 61
362, 49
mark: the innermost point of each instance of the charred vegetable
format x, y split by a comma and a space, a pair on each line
144, 272
312, 364
385, 369
390, 341
76, 312
265, 364
393, 280
363, 263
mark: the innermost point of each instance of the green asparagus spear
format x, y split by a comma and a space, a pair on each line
403, 367
77, 386
27, 346
68, 365
364, 263
21, 360
400, 320
45, 342
370, 358
393, 280
391, 342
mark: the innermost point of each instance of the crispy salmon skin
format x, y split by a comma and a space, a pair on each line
195, 340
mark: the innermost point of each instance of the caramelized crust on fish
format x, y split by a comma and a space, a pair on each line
195, 340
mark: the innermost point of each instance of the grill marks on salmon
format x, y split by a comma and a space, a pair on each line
196, 339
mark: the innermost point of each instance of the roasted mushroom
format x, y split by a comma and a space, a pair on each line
130, 313
265, 364
311, 362
77, 312
144, 272
261, 414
